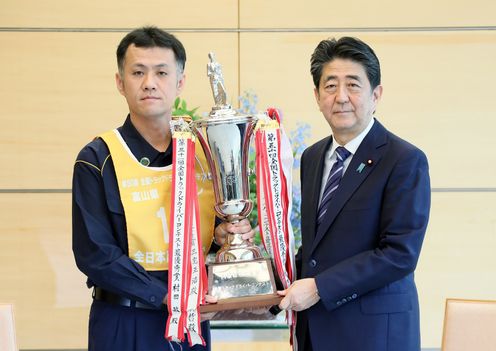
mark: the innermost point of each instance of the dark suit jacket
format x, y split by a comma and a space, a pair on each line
364, 253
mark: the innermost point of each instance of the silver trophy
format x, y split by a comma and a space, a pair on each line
241, 277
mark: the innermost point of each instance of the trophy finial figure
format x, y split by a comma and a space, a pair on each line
214, 72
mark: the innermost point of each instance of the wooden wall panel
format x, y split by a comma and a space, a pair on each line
457, 258
437, 93
119, 13
363, 13
59, 92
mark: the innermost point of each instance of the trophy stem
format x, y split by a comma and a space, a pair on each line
237, 249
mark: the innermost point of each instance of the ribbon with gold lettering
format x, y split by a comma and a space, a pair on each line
187, 276
274, 160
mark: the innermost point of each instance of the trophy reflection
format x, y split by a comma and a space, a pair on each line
240, 276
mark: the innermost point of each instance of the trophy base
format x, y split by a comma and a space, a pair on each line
241, 303
241, 285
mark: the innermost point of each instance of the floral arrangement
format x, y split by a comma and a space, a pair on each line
248, 105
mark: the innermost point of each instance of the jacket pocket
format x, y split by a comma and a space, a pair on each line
390, 303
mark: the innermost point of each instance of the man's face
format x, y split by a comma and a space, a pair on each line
150, 81
346, 98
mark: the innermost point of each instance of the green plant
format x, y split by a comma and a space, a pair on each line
181, 109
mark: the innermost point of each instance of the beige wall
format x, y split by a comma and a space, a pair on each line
57, 66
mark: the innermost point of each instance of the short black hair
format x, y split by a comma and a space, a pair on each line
345, 48
150, 37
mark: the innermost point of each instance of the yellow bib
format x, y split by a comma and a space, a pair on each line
146, 195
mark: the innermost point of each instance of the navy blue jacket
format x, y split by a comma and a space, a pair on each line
365, 252
101, 251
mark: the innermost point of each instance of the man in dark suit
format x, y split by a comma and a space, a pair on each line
365, 207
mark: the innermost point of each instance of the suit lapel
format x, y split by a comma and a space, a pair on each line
356, 173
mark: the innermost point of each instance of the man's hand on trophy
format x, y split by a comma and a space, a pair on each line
301, 295
209, 315
242, 227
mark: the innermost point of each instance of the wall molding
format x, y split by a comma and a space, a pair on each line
257, 30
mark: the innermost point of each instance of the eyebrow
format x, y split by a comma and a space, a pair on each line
160, 65
355, 77
349, 76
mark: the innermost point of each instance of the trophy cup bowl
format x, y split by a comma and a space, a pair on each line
225, 142
240, 277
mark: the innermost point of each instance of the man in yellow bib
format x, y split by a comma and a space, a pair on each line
121, 200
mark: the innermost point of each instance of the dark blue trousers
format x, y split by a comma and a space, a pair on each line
119, 328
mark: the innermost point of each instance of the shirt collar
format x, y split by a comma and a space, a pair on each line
352, 145
139, 146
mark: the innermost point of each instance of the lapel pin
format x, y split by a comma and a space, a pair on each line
361, 167
145, 161
369, 162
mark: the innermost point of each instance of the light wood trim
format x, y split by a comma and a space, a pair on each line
422, 74
59, 101
363, 13
123, 14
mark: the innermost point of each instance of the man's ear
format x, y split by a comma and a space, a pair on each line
316, 94
377, 93
119, 83
180, 83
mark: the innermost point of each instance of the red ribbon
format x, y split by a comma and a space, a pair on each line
273, 196
187, 276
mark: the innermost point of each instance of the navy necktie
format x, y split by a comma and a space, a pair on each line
333, 180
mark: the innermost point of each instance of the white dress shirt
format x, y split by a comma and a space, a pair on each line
330, 156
